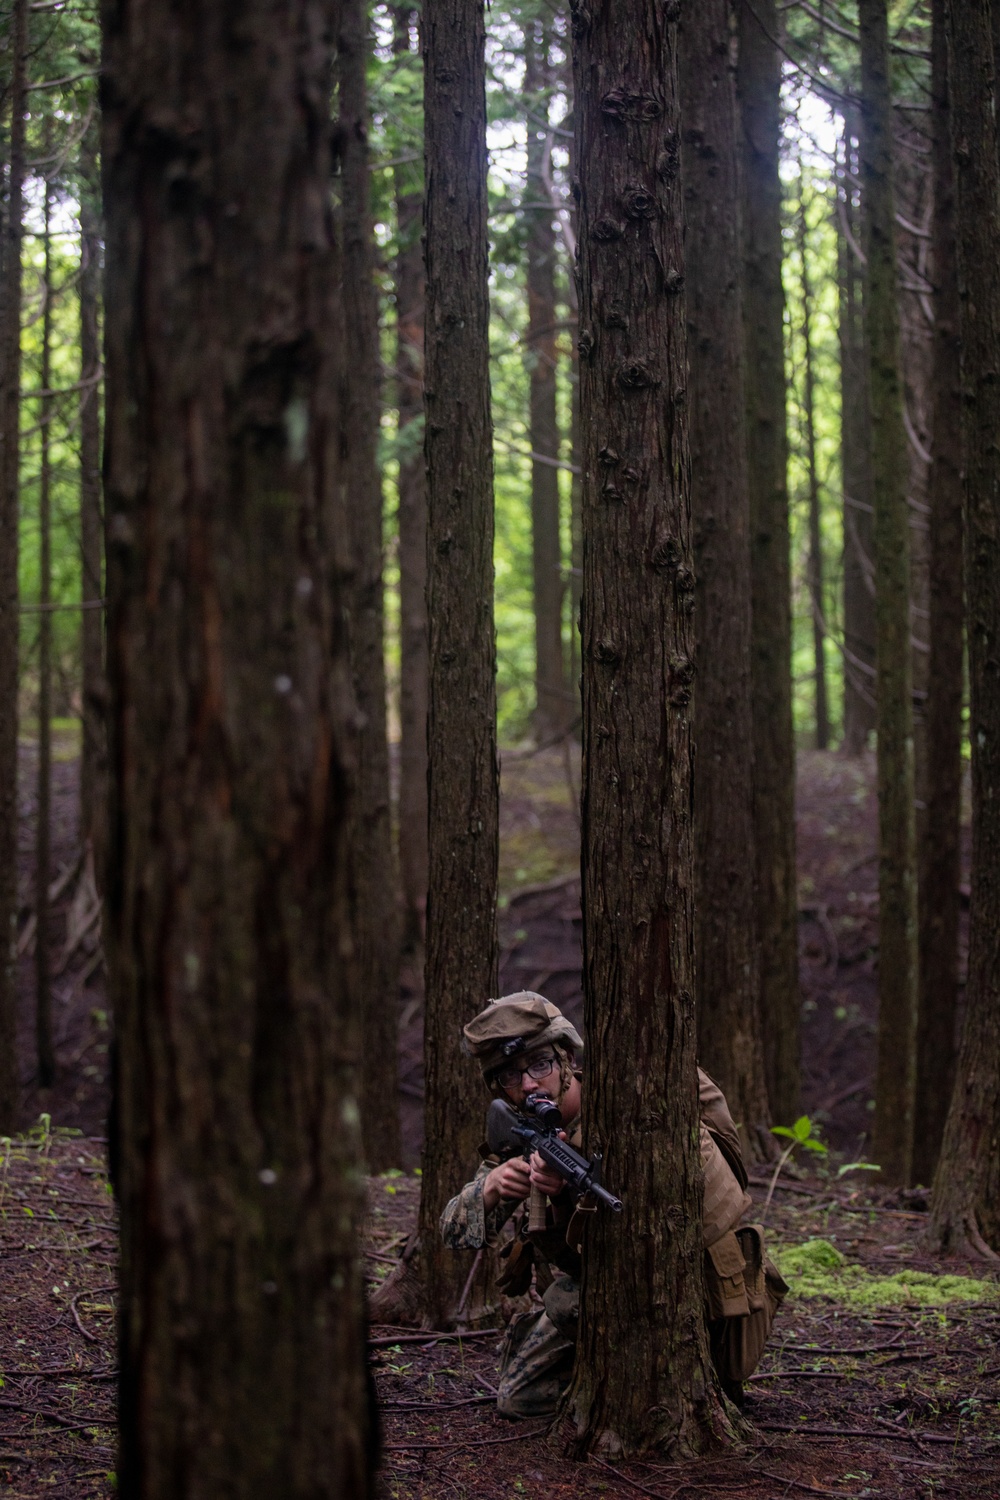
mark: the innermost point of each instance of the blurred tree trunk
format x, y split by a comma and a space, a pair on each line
461, 972
93, 752
940, 865
540, 341
10, 411
642, 1380
228, 907
374, 877
897, 963
759, 85
856, 459
966, 1198
730, 1045
816, 593
43, 826
409, 275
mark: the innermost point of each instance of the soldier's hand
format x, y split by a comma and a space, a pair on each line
511, 1179
543, 1177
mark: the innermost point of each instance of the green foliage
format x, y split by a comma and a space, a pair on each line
800, 1134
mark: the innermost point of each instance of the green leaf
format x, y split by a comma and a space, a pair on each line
783, 1130
802, 1129
858, 1166
811, 1145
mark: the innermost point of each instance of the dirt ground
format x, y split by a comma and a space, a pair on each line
872, 1385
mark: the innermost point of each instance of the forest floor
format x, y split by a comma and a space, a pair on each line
883, 1373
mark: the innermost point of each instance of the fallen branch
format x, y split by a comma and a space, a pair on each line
53, 1416
433, 1338
813, 1489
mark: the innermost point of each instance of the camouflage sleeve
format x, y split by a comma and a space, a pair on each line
465, 1224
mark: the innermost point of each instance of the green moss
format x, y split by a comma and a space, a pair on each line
818, 1269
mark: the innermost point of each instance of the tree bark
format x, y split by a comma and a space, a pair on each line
228, 908
816, 592
728, 999
540, 339
940, 865
461, 970
856, 460
371, 833
897, 966
412, 538
642, 1379
10, 411
43, 827
759, 84
966, 1198
93, 750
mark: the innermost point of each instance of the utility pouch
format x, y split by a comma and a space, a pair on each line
516, 1260
738, 1342
725, 1286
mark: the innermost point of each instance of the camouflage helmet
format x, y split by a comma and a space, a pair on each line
517, 1023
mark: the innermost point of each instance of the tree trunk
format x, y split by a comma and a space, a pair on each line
643, 1379
966, 1200
540, 339
897, 965
93, 750
371, 834
728, 1000
228, 901
940, 866
816, 594
10, 400
759, 82
412, 538
856, 461
43, 827
461, 972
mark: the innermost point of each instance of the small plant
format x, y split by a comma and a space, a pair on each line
802, 1133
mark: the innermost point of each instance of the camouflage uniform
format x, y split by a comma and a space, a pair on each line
743, 1290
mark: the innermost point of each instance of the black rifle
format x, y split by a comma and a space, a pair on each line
536, 1127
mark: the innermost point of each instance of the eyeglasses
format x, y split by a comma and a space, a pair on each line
538, 1068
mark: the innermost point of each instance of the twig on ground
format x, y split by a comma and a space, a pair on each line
433, 1405
433, 1338
92, 1292
861, 1432
517, 1437
813, 1489
53, 1416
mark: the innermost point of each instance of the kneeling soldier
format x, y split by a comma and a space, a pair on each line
525, 1045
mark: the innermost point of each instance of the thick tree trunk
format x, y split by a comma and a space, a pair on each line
409, 273
966, 1199
93, 750
371, 832
897, 965
856, 461
461, 970
228, 902
540, 339
759, 83
43, 828
728, 999
940, 865
816, 591
10, 397
643, 1379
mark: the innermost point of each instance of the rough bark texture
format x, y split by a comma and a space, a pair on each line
856, 459
940, 870
540, 339
966, 1199
461, 970
43, 827
10, 391
759, 83
412, 540
93, 750
728, 1000
228, 906
897, 966
642, 1379
816, 592
371, 830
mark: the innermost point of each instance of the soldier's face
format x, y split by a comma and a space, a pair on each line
549, 1083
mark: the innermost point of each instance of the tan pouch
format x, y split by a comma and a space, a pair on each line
725, 1288
738, 1343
